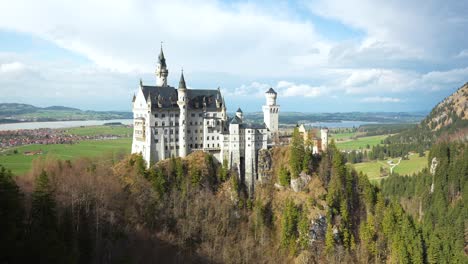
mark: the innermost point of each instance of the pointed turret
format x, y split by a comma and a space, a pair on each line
182, 85
182, 102
161, 59
239, 114
161, 70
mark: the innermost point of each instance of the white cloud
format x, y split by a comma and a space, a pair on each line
438, 80
403, 25
11, 67
283, 88
463, 54
290, 89
83, 86
209, 35
378, 99
246, 41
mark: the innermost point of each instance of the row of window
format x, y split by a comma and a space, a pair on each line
192, 115
164, 115
172, 123
171, 131
212, 138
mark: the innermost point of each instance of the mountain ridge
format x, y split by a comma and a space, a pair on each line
450, 112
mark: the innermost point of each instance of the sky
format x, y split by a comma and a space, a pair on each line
320, 55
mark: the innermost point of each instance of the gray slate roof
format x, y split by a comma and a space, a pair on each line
253, 126
167, 97
271, 91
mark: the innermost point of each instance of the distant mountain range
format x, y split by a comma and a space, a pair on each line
14, 112
292, 118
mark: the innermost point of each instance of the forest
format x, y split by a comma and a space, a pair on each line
195, 210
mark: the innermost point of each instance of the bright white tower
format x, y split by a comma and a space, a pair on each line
182, 102
324, 136
270, 111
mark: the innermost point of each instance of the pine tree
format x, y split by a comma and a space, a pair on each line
11, 218
289, 226
297, 153
329, 239
43, 234
284, 176
304, 228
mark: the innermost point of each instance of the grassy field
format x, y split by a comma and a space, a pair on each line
360, 143
101, 130
406, 167
19, 163
342, 136
413, 165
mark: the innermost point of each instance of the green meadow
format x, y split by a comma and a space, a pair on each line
19, 163
360, 143
342, 136
413, 165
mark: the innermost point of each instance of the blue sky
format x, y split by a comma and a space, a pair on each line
320, 56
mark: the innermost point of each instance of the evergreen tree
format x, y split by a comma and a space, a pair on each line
289, 226
297, 153
329, 239
284, 176
304, 228
44, 244
11, 218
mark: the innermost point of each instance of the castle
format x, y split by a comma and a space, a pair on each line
173, 122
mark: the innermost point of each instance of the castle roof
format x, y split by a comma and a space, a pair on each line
161, 58
253, 126
239, 110
270, 91
182, 85
166, 97
236, 120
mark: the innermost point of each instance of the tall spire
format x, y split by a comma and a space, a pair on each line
161, 70
182, 85
161, 59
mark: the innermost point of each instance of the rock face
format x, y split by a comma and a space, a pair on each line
264, 165
318, 228
300, 182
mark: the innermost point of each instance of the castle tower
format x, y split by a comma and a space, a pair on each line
161, 70
324, 136
182, 102
239, 114
270, 111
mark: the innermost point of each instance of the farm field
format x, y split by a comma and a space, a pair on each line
101, 130
360, 143
342, 136
413, 165
20, 163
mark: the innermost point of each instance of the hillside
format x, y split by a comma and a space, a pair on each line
447, 121
451, 112
14, 112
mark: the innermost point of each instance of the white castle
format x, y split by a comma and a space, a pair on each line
173, 122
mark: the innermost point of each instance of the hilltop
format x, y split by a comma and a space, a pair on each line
450, 113
15, 112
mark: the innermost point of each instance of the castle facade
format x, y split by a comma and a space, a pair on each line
173, 122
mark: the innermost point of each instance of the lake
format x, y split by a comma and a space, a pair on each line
341, 124
61, 124
65, 124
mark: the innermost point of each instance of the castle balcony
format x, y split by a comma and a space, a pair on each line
212, 149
